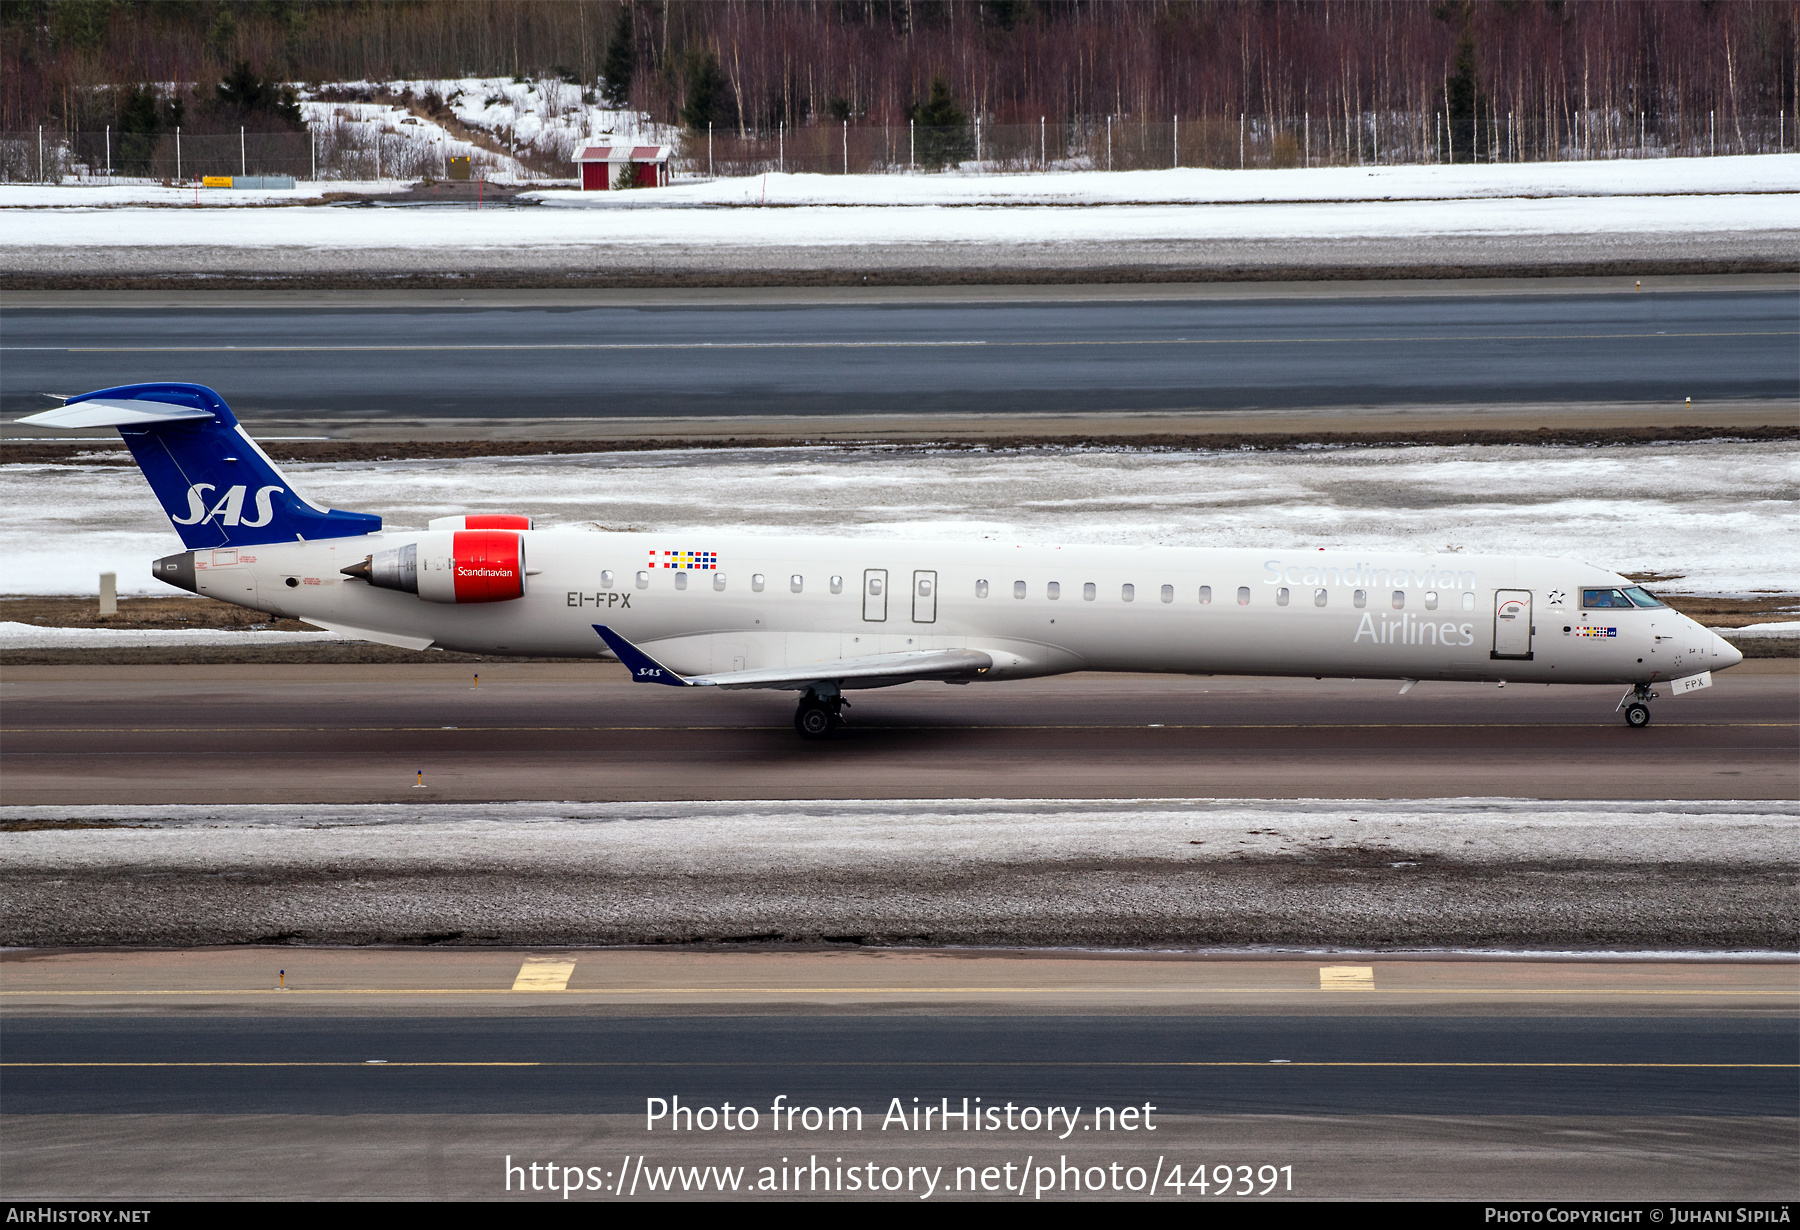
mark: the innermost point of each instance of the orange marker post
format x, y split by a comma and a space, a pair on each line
420, 784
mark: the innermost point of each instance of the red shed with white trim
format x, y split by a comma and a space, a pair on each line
599, 165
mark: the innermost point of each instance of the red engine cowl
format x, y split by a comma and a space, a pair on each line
461, 567
481, 521
487, 566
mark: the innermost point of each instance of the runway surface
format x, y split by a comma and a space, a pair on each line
297, 734
798, 359
426, 1073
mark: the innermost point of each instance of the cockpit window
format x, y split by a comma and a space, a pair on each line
1595, 598
1641, 597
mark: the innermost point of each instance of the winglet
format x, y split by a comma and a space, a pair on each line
643, 667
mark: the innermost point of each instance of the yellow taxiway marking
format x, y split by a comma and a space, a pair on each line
1346, 978
948, 343
543, 974
880, 1063
402, 730
1789, 991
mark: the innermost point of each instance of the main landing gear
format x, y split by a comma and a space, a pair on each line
819, 713
1636, 704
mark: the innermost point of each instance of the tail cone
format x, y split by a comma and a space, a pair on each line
359, 570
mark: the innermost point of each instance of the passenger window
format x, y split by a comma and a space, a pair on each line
643, 580
1088, 591
924, 586
1053, 591
1168, 593
1641, 597
837, 585
1281, 596
1360, 599
1431, 599
1243, 595
681, 580
1018, 589
756, 581
606, 578
1206, 595
1399, 600
1594, 599
1320, 597
796, 582
1127, 593
719, 582
981, 589
1468, 601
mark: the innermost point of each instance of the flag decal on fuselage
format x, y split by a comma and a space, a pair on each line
687, 561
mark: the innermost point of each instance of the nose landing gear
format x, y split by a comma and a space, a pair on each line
1636, 704
819, 713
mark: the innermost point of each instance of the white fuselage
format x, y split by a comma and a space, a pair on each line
1447, 616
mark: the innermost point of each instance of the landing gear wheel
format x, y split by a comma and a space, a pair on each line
814, 720
1637, 714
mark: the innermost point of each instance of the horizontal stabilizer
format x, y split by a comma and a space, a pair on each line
98, 412
366, 634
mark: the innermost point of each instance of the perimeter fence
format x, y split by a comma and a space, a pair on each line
335, 150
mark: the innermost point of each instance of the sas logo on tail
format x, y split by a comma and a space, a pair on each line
230, 507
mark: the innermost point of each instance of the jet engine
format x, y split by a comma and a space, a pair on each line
459, 566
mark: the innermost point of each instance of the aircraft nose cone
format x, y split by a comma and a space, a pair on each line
1725, 654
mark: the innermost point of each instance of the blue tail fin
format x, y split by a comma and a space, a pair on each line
217, 486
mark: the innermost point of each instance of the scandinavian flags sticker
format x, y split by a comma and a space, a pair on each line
687, 561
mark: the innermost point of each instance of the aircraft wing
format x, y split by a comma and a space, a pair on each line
884, 667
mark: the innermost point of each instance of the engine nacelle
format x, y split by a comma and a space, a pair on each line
481, 521
461, 566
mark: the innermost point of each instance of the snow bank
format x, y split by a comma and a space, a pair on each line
1719, 513
1776, 173
30, 636
590, 233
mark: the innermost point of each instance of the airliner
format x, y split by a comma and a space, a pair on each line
823, 616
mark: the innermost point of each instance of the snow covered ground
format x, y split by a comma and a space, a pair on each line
1161, 873
29, 636
1201, 186
587, 233
1777, 174
1621, 199
1722, 515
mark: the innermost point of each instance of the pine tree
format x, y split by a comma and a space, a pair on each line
705, 91
942, 132
620, 59
139, 124
1460, 103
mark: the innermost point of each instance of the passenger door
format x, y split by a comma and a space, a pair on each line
924, 597
1512, 624
875, 594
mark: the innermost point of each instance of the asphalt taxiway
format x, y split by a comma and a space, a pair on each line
357, 734
1008, 356
426, 1073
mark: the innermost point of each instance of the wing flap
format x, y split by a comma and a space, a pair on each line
911, 664
892, 667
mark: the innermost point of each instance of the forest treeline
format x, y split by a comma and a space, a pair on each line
751, 65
